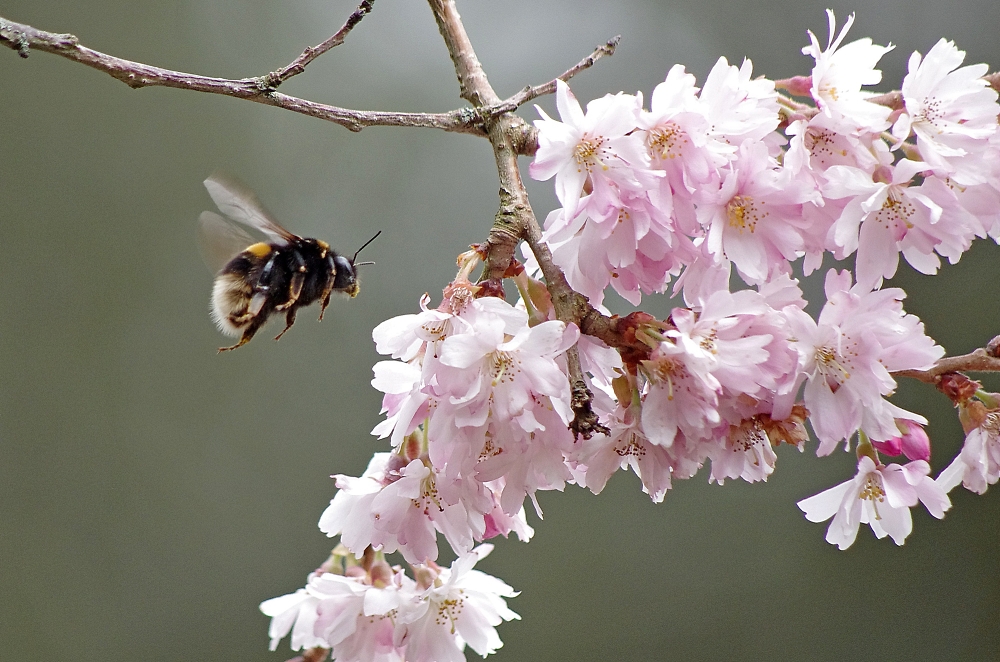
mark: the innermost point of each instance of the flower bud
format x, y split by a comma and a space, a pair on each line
916, 444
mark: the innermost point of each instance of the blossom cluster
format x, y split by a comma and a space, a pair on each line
372, 611
477, 399
734, 173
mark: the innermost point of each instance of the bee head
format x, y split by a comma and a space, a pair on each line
346, 278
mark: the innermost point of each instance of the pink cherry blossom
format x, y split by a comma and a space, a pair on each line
746, 453
977, 466
382, 615
739, 108
912, 442
629, 244
846, 357
459, 606
891, 215
595, 147
626, 446
880, 496
683, 394
754, 218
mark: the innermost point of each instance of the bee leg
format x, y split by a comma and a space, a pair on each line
324, 304
294, 291
289, 321
248, 333
327, 292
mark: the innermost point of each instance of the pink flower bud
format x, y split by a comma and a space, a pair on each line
893, 446
915, 442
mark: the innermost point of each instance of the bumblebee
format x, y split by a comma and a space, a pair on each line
280, 275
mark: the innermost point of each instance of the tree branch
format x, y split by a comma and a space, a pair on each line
261, 89
978, 361
490, 117
276, 78
529, 93
22, 38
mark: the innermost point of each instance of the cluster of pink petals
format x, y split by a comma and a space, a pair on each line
386, 616
721, 384
640, 189
731, 179
477, 407
847, 354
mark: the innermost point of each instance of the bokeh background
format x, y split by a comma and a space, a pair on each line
152, 492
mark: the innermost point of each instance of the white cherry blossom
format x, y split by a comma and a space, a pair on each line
952, 111
838, 76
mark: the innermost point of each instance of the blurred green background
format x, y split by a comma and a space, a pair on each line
152, 492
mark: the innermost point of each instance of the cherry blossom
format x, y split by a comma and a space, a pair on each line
912, 442
838, 76
595, 146
977, 466
477, 398
381, 614
847, 354
754, 218
626, 446
458, 606
891, 214
880, 496
951, 110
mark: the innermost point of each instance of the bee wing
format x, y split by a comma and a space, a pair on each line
240, 204
220, 240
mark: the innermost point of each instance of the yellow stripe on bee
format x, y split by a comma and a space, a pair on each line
259, 249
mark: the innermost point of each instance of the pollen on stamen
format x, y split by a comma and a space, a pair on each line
436, 331
586, 152
930, 113
665, 371
895, 210
743, 214
874, 491
666, 141
747, 435
830, 367
449, 611
503, 367
633, 447
707, 343
428, 496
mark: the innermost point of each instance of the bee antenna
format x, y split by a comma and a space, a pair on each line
362, 264
363, 247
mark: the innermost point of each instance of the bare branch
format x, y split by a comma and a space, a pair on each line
23, 38
529, 93
977, 361
276, 78
472, 81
